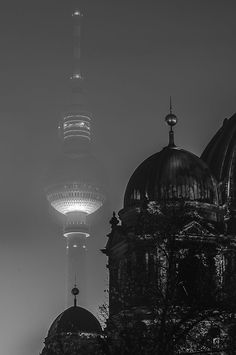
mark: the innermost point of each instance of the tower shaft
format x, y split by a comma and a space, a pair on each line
76, 232
76, 266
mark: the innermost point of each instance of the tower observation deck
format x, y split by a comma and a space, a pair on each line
73, 185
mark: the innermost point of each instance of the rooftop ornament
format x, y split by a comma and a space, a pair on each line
171, 120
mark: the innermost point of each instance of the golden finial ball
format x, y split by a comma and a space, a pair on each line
171, 119
75, 291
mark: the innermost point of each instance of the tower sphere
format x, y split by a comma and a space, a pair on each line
74, 184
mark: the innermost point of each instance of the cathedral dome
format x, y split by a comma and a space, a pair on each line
221, 158
75, 320
170, 175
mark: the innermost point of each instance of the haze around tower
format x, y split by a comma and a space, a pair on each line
138, 53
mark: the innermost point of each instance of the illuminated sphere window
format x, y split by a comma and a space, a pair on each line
75, 197
73, 185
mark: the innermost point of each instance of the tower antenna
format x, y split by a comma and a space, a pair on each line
75, 127
77, 17
170, 105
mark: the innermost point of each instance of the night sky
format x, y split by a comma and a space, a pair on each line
135, 54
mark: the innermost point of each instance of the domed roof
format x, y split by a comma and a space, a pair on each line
170, 175
75, 320
220, 155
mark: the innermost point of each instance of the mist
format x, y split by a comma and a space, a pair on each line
135, 55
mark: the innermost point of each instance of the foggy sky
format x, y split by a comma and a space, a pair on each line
136, 54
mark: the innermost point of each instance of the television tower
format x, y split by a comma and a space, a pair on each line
73, 185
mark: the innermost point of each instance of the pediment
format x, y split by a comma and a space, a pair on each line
196, 229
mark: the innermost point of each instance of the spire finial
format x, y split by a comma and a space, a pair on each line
114, 221
170, 105
171, 120
75, 292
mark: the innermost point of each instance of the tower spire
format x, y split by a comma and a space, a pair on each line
170, 105
171, 120
75, 127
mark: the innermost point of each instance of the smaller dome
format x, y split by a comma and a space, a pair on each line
75, 320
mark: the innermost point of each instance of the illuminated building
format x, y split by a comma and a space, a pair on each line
73, 183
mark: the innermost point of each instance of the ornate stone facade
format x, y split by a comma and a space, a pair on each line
171, 255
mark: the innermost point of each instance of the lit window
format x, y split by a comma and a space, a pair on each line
76, 76
146, 261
